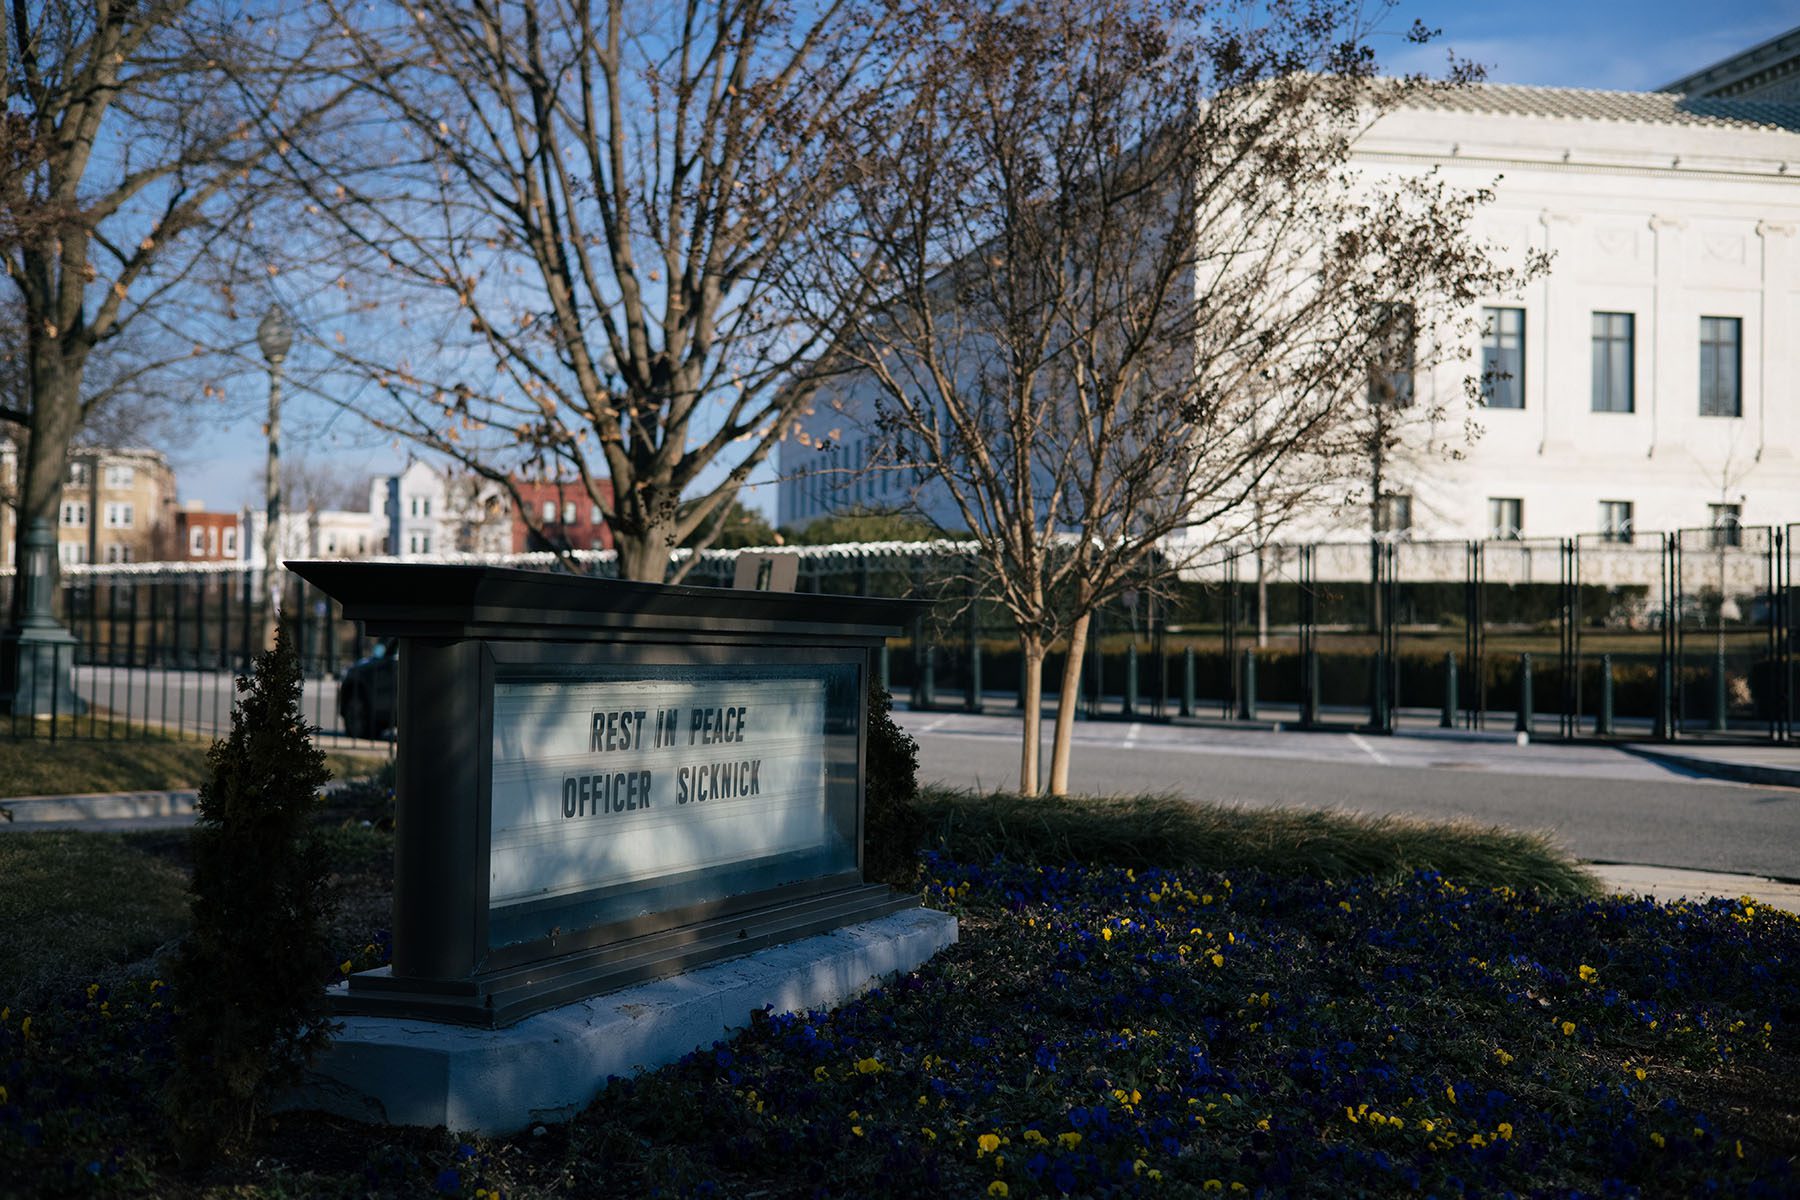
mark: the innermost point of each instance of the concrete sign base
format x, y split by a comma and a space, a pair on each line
550, 1066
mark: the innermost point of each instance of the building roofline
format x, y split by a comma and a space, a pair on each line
1781, 50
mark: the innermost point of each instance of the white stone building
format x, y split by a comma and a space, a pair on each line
1656, 368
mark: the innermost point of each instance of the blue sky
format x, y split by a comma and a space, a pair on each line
1614, 44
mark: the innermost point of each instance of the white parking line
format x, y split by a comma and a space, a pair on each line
1357, 740
1131, 735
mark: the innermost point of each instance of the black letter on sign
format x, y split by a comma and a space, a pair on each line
568, 796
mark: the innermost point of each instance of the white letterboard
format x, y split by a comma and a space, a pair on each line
600, 784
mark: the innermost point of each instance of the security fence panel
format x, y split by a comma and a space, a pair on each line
1620, 608
1340, 668
1430, 616
1726, 674
1523, 606
1788, 627
1206, 625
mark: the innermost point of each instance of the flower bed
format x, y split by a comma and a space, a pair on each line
1105, 1032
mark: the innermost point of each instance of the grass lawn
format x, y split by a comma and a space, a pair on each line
143, 762
77, 906
1144, 1004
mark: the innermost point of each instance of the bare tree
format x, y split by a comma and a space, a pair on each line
128, 158
584, 225
1131, 289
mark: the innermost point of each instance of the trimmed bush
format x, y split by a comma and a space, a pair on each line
249, 978
892, 825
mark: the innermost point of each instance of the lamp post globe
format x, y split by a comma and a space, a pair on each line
274, 336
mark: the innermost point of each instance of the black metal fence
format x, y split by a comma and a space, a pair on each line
1688, 635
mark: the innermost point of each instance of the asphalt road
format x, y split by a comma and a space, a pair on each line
1603, 804
195, 702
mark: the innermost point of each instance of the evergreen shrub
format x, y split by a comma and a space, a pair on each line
250, 977
892, 823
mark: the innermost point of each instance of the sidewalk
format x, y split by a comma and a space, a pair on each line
1668, 883
1764, 766
98, 810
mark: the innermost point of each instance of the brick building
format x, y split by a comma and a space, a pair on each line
566, 518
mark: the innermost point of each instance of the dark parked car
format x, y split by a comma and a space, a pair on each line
366, 691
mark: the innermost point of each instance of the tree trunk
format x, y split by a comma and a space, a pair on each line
1031, 648
1065, 706
644, 556
55, 418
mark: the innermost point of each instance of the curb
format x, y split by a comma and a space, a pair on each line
1752, 773
99, 806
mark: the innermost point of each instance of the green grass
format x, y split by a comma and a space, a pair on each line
38, 767
81, 905
1167, 831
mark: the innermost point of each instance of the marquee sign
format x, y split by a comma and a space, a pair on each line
600, 782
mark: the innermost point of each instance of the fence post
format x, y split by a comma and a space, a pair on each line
886, 675
972, 699
972, 636
1187, 681
1522, 721
1247, 693
927, 674
1720, 703
1663, 730
1131, 681
1309, 710
1603, 726
918, 659
1378, 697
1447, 718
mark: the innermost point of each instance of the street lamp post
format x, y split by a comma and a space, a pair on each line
274, 336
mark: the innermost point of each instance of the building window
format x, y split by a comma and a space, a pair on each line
1726, 522
230, 543
549, 512
1391, 374
74, 514
425, 544
70, 553
119, 479
331, 543
414, 507
596, 517
118, 516
197, 542
425, 507
1615, 520
79, 474
412, 544
116, 553
1721, 363
1506, 518
1614, 335
1393, 515
1503, 357
568, 512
